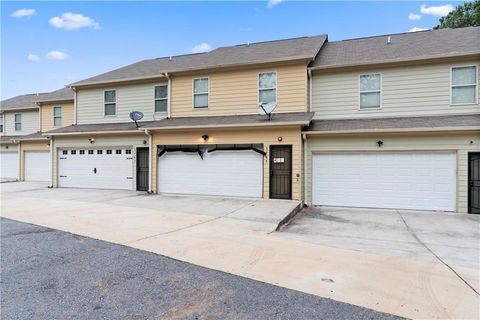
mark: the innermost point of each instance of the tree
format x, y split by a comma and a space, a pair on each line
465, 15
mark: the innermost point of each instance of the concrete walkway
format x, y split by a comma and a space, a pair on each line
246, 247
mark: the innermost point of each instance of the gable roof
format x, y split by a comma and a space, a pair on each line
244, 54
402, 47
28, 101
64, 94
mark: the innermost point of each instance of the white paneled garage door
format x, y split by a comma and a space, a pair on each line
9, 165
96, 168
220, 173
398, 180
37, 166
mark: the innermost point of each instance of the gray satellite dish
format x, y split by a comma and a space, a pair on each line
136, 116
267, 109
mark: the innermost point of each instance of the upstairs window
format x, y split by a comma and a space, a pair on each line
18, 122
267, 87
200, 93
464, 85
161, 98
110, 102
370, 91
57, 116
1, 124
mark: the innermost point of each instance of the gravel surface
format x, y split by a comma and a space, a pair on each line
50, 274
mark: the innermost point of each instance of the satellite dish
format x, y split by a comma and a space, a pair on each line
136, 116
267, 109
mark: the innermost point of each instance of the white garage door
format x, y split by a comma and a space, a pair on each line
37, 166
418, 181
9, 165
96, 168
220, 173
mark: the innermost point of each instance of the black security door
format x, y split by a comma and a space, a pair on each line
142, 169
281, 172
474, 182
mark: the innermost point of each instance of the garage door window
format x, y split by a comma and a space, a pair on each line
82, 151
110, 102
18, 122
464, 85
200, 93
370, 91
57, 116
161, 98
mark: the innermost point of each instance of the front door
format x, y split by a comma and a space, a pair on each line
142, 169
281, 172
474, 183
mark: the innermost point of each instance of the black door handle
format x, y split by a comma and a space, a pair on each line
95, 170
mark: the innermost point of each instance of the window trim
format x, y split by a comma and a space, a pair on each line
193, 93
60, 116
15, 121
104, 103
258, 85
370, 91
154, 99
1, 123
464, 85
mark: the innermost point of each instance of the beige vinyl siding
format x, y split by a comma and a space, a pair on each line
290, 136
101, 141
30, 146
47, 115
132, 97
236, 91
406, 91
30, 123
10, 147
461, 143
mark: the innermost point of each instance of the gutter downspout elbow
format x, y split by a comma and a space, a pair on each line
310, 86
150, 141
52, 157
168, 94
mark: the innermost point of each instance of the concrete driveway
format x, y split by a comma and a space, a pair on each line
235, 236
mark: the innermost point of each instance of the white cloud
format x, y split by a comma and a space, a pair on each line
438, 11
56, 55
24, 13
33, 57
414, 16
272, 3
73, 21
416, 29
202, 47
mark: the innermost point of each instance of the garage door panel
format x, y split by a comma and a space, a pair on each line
222, 173
9, 165
38, 166
418, 181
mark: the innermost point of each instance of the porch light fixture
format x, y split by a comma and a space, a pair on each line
205, 137
379, 143
92, 140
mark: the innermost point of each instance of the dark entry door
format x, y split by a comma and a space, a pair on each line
142, 169
474, 182
281, 172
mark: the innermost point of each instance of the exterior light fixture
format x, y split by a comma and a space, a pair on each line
379, 143
205, 137
280, 139
92, 140
144, 141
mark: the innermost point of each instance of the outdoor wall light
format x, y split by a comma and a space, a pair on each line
144, 141
379, 143
91, 140
205, 137
280, 139
6, 147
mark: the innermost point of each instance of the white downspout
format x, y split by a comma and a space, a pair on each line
74, 105
150, 142
305, 170
310, 86
39, 116
52, 162
168, 94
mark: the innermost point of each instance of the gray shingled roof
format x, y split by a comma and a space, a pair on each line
392, 124
8, 139
245, 54
64, 94
300, 118
402, 47
32, 136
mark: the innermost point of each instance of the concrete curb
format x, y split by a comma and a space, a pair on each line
289, 217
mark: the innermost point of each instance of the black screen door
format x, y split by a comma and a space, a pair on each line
474, 182
142, 169
281, 172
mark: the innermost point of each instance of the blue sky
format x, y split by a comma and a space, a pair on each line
52, 44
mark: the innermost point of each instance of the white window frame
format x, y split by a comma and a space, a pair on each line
104, 103
1, 123
370, 91
464, 85
155, 99
195, 93
258, 85
15, 121
56, 117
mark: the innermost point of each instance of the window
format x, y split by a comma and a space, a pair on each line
99, 151
64, 152
57, 116
161, 98
267, 87
82, 151
90, 151
109, 151
200, 93
73, 152
1, 124
464, 85
128, 151
110, 101
118, 151
370, 91
18, 122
